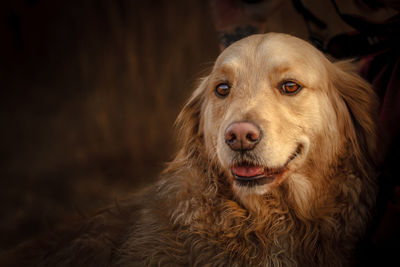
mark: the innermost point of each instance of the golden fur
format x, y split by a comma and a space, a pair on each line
313, 214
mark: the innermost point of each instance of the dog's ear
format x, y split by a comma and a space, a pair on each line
189, 120
359, 123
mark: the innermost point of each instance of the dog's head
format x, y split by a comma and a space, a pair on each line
274, 109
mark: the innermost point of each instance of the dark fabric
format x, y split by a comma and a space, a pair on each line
382, 246
383, 72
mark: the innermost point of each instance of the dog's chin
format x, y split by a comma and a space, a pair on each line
246, 191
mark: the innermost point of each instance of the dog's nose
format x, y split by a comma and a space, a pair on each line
242, 136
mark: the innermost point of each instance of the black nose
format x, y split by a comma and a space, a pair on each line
242, 136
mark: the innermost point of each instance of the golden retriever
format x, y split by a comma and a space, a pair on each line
276, 168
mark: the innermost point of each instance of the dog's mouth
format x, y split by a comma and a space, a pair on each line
250, 174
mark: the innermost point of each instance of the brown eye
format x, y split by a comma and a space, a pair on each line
290, 88
222, 90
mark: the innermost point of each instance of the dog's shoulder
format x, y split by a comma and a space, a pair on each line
122, 232
90, 241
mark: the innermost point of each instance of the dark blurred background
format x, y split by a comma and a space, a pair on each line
89, 93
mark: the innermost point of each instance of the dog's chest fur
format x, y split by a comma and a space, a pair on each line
188, 227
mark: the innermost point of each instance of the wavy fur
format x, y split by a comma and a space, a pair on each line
304, 222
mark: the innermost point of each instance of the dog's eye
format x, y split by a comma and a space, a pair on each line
222, 90
290, 88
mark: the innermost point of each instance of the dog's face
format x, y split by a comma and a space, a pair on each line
266, 106
270, 114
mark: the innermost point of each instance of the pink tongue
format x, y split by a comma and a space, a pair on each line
247, 171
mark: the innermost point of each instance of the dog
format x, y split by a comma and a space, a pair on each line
276, 167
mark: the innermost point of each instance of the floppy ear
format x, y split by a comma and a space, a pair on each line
188, 122
358, 112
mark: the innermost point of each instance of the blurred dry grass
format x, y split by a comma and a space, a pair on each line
90, 91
